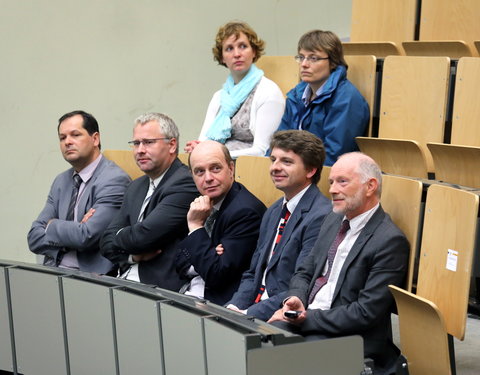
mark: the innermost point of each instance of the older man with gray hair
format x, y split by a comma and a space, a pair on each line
142, 239
342, 286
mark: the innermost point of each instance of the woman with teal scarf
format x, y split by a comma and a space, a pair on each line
247, 110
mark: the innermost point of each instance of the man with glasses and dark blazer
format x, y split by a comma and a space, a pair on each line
142, 238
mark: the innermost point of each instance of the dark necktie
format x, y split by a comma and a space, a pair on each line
211, 221
284, 215
77, 181
322, 280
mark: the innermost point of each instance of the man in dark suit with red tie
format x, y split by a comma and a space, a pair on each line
342, 286
289, 227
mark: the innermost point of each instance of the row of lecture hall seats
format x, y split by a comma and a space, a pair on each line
424, 112
422, 107
427, 120
415, 27
58, 322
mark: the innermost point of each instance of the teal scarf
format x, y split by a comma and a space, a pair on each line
231, 98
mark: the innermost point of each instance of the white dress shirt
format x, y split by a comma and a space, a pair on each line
70, 260
132, 272
323, 299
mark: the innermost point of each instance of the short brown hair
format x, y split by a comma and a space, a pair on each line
326, 41
305, 144
235, 28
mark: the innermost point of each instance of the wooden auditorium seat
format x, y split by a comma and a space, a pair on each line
396, 156
362, 73
459, 162
466, 109
446, 20
455, 49
125, 160
283, 70
379, 27
183, 158
447, 28
456, 164
254, 173
413, 104
439, 307
324, 184
402, 200
378, 49
424, 341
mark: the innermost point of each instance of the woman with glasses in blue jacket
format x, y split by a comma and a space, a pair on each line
325, 102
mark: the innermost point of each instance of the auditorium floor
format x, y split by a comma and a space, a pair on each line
467, 352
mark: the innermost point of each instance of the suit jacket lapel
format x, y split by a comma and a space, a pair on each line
218, 226
138, 198
66, 195
362, 239
158, 189
325, 241
303, 206
272, 232
292, 223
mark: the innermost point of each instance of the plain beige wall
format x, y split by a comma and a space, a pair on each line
116, 59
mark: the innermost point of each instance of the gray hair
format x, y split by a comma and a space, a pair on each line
167, 125
367, 168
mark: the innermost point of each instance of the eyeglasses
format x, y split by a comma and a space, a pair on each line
145, 142
311, 59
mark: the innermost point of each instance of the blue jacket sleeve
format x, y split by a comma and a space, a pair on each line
346, 117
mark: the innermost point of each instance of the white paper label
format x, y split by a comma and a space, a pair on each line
452, 259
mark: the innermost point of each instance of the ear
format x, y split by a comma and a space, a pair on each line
311, 172
231, 167
96, 139
372, 186
172, 145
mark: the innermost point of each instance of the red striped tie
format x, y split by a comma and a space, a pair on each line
283, 222
285, 214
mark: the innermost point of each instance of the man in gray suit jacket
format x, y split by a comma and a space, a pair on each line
342, 286
297, 158
68, 230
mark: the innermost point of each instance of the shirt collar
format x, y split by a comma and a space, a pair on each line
87, 172
359, 222
218, 204
307, 93
292, 203
157, 181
